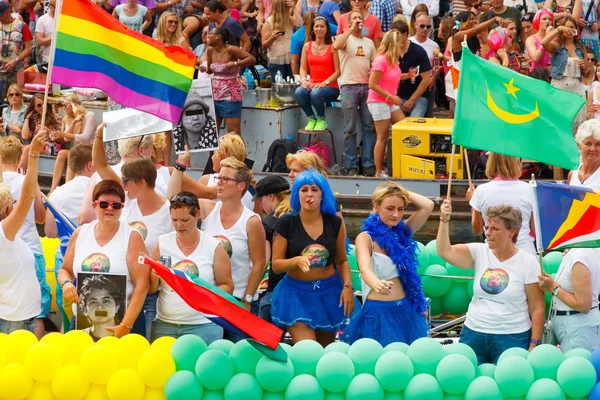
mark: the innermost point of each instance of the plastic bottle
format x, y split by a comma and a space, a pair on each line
249, 79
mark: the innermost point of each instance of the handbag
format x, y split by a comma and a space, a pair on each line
320, 149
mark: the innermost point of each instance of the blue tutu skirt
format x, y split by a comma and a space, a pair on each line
315, 303
386, 322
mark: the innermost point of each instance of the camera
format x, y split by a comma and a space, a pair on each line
589, 24
520, 7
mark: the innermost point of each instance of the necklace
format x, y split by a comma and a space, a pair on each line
187, 247
220, 54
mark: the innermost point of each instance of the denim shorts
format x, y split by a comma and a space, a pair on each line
381, 111
11, 326
489, 346
209, 332
228, 109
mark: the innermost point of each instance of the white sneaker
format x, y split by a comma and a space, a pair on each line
383, 175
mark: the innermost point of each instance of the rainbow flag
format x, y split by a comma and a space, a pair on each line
95, 50
569, 216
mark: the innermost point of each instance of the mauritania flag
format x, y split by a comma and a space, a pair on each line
508, 113
569, 216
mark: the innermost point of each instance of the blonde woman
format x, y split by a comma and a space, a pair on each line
393, 298
276, 38
169, 31
383, 103
13, 117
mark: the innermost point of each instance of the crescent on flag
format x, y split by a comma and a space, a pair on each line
508, 116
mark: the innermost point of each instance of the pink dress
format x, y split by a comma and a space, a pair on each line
544, 61
225, 84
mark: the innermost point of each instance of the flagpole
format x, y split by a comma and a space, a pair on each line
538, 225
450, 172
57, 13
468, 167
53, 206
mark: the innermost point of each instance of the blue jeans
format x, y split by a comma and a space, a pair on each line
420, 107
354, 106
316, 98
489, 347
209, 332
285, 69
11, 326
149, 310
264, 307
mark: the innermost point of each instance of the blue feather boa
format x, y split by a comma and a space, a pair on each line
401, 249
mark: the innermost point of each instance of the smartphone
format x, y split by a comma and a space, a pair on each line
5, 52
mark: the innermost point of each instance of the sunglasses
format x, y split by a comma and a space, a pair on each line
14, 95
226, 179
185, 200
526, 18
127, 180
478, 5
39, 106
103, 204
173, 22
423, 26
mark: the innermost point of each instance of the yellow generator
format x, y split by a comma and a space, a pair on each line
416, 168
428, 138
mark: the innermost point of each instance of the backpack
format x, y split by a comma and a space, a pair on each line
278, 150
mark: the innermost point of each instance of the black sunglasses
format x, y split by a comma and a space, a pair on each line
116, 205
127, 180
423, 26
184, 199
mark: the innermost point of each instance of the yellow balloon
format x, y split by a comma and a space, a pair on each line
108, 341
125, 384
73, 344
165, 343
15, 382
130, 349
42, 361
41, 391
156, 367
154, 394
18, 344
69, 383
52, 338
96, 392
99, 363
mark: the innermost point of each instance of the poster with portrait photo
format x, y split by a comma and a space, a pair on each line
197, 127
102, 303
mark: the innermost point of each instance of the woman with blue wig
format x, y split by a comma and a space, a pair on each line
394, 303
313, 300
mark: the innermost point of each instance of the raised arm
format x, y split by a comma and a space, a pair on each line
424, 209
99, 157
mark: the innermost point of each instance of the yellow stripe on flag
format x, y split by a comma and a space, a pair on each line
578, 208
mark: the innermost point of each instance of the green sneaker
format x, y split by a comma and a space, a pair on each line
311, 124
321, 125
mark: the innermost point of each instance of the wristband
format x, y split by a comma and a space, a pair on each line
535, 342
63, 283
444, 220
349, 285
182, 164
179, 167
555, 290
126, 326
34, 155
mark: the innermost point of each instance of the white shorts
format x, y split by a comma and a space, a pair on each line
381, 111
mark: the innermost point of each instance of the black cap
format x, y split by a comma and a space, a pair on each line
4, 7
271, 184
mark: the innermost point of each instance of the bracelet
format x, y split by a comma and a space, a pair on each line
303, 79
555, 290
179, 167
349, 285
63, 283
444, 220
535, 342
235, 63
98, 137
182, 164
387, 97
126, 326
34, 155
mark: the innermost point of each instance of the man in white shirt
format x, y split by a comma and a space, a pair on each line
44, 28
525, 6
423, 25
408, 6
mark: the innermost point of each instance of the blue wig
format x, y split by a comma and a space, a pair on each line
313, 177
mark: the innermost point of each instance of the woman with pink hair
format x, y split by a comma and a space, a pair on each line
497, 38
539, 56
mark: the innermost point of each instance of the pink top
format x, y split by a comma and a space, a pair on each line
236, 14
544, 61
389, 81
321, 67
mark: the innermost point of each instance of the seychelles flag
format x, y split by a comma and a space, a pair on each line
569, 216
222, 308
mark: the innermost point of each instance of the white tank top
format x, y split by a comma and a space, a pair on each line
235, 242
592, 182
108, 259
149, 226
171, 308
247, 198
383, 267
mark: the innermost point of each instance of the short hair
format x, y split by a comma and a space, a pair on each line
507, 167
538, 17
540, 73
130, 147
183, 201
389, 189
400, 26
6, 200
590, 128
17, 87
400, 17
242, 174
313, 177
510, 217
232, 145
215, 6
11, 149
79, 157
306, 159
140, 168
108, 187
102, 282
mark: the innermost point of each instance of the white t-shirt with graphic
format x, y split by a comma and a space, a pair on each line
499, 303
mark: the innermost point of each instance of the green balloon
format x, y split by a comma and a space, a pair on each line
461, 348
286, 347
545, 360
514, 351
364, 386
486, 370
304, 387
335, 371
356, 282
456, 300
340, 347
576, 376
436, 307
394, 370
364, 353
223, 345
244, 357
433, 255
273, 396
214, 369
423, 386
335, 396
183, 385
396, 346
432, 286
454, 373
422, 255
243, 387
453, 396
483, 388
514, 376
305, 355
551, 262
186, 350
545, 389
425, 354
470, 288
272, 375
578, 353
393, 396
213, 395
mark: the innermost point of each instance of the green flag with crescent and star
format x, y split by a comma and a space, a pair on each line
509, 113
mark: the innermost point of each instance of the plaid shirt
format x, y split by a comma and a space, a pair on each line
385, 11
178, 9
